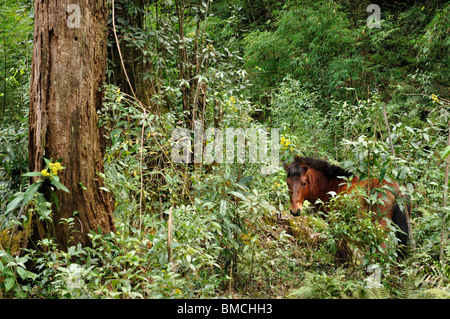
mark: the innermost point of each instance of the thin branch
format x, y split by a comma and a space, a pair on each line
447, 166
143, 108
408, 217
447, 102
169, 235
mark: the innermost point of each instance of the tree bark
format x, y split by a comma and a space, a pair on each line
68, 70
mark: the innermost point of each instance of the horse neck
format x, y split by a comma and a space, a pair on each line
321, 186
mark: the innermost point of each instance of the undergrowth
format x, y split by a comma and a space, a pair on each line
230, 237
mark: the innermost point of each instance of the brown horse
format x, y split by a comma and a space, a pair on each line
312, 179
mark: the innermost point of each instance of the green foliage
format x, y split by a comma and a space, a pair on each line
48, 181
12, 272
16, 47
293, 110
322, 286
353, 234
433, 51
13, 158
216, 241
314, 55
317, 44
312, 69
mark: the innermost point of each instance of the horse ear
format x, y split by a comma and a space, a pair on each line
304, 167
285, 165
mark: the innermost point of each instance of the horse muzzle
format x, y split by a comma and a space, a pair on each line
297, 212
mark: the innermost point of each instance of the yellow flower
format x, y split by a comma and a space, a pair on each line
285, 143
45, 173
276, 184
434, 97
55, 168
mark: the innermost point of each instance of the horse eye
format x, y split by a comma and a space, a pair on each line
304, 183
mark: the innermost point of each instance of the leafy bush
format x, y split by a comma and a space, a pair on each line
316, 72
13, 159
352, 234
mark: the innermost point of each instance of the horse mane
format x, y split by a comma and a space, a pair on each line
300, 164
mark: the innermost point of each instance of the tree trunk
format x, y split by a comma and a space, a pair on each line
68, 69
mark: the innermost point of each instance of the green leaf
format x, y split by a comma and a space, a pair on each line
410, 188
233, 242
244, 180
59, 186
9, 283
383, 173
41, 203
223, 207
22, 273
55, 199
446, 152
239, 195
14, 203
29, 193
32, 174
217, 227
410, 129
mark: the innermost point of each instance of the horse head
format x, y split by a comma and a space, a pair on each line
298, 184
